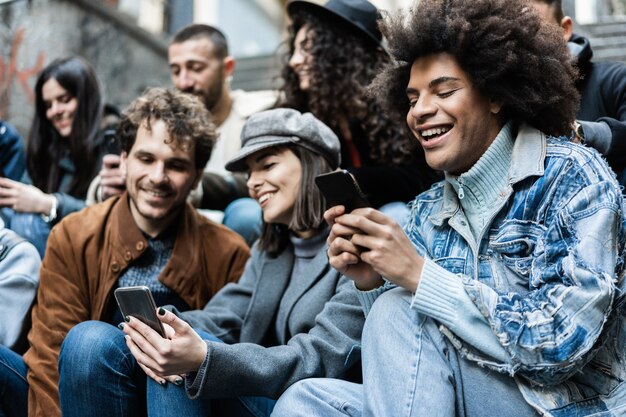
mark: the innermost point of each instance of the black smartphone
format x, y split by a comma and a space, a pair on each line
138, 302
340, 188
111, 143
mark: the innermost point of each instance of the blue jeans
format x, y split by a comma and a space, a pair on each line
13, 384
100, 377
28, 225
397, 210
409, 369
245, 217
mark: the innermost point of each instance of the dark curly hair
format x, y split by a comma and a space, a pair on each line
343, 64
187, 119
508, 53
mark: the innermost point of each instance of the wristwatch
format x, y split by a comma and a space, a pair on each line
50, 217
579, 133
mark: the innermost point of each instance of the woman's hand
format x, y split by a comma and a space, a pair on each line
380, 243
24, 198
183, 351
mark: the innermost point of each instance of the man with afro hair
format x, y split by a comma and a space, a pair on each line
505, 297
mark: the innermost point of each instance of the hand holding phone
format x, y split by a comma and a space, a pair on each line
340, 188
138, 302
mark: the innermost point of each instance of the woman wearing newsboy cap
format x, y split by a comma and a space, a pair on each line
290, 316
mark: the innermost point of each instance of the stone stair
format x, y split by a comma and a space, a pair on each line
257, 73
608, 39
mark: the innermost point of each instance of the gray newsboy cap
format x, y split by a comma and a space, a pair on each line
282, 127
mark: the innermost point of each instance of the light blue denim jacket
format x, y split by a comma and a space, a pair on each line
545, 283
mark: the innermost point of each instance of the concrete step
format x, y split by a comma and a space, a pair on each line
257, 73
608, 39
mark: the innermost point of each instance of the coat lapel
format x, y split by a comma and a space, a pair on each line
315, 271
273, 280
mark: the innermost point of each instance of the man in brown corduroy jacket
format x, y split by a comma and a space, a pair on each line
148, 236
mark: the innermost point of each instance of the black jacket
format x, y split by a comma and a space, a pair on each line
603, 99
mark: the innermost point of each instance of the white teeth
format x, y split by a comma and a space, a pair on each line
434, 131
156, 193
265, 197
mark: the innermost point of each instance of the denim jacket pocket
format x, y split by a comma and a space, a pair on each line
452, 264
513, 248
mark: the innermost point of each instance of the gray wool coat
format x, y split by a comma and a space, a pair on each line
323, 329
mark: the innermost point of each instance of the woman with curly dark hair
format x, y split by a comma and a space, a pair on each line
63, 154
335, 51
506, 295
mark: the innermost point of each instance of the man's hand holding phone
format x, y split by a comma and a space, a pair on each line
345, 256
387, 250
343, 195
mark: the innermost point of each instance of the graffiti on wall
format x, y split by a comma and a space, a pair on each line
10, 73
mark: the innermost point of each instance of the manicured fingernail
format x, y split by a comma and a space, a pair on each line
163, 382
127, 318
178, 381
161, 311
120, 326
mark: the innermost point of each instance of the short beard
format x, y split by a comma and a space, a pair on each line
213, 94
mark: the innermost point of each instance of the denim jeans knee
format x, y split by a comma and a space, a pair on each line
244, 216
30, 226
320, 397
13, 384
98, 374
87, 347
398, 211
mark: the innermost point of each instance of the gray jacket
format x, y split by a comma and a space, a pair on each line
323, 330
19, 279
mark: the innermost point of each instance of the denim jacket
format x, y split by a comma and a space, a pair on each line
546, 276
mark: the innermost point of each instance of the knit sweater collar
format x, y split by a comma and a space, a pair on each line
308, 248
480, 186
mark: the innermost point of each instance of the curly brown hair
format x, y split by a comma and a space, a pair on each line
508, 53
188, 122
343, 64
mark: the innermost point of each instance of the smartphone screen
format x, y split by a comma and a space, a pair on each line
111, 142
340, 188
138, 302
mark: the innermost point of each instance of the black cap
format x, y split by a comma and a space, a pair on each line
359, 14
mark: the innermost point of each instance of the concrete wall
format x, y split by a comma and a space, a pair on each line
33, 33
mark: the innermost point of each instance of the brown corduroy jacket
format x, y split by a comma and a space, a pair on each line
86, 254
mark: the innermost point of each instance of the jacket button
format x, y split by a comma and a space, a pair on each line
115, 267
139, 245
128, 256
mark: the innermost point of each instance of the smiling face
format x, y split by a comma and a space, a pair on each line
453, 122
158, 178
300, 60
195, 69
60, 106
274, 181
